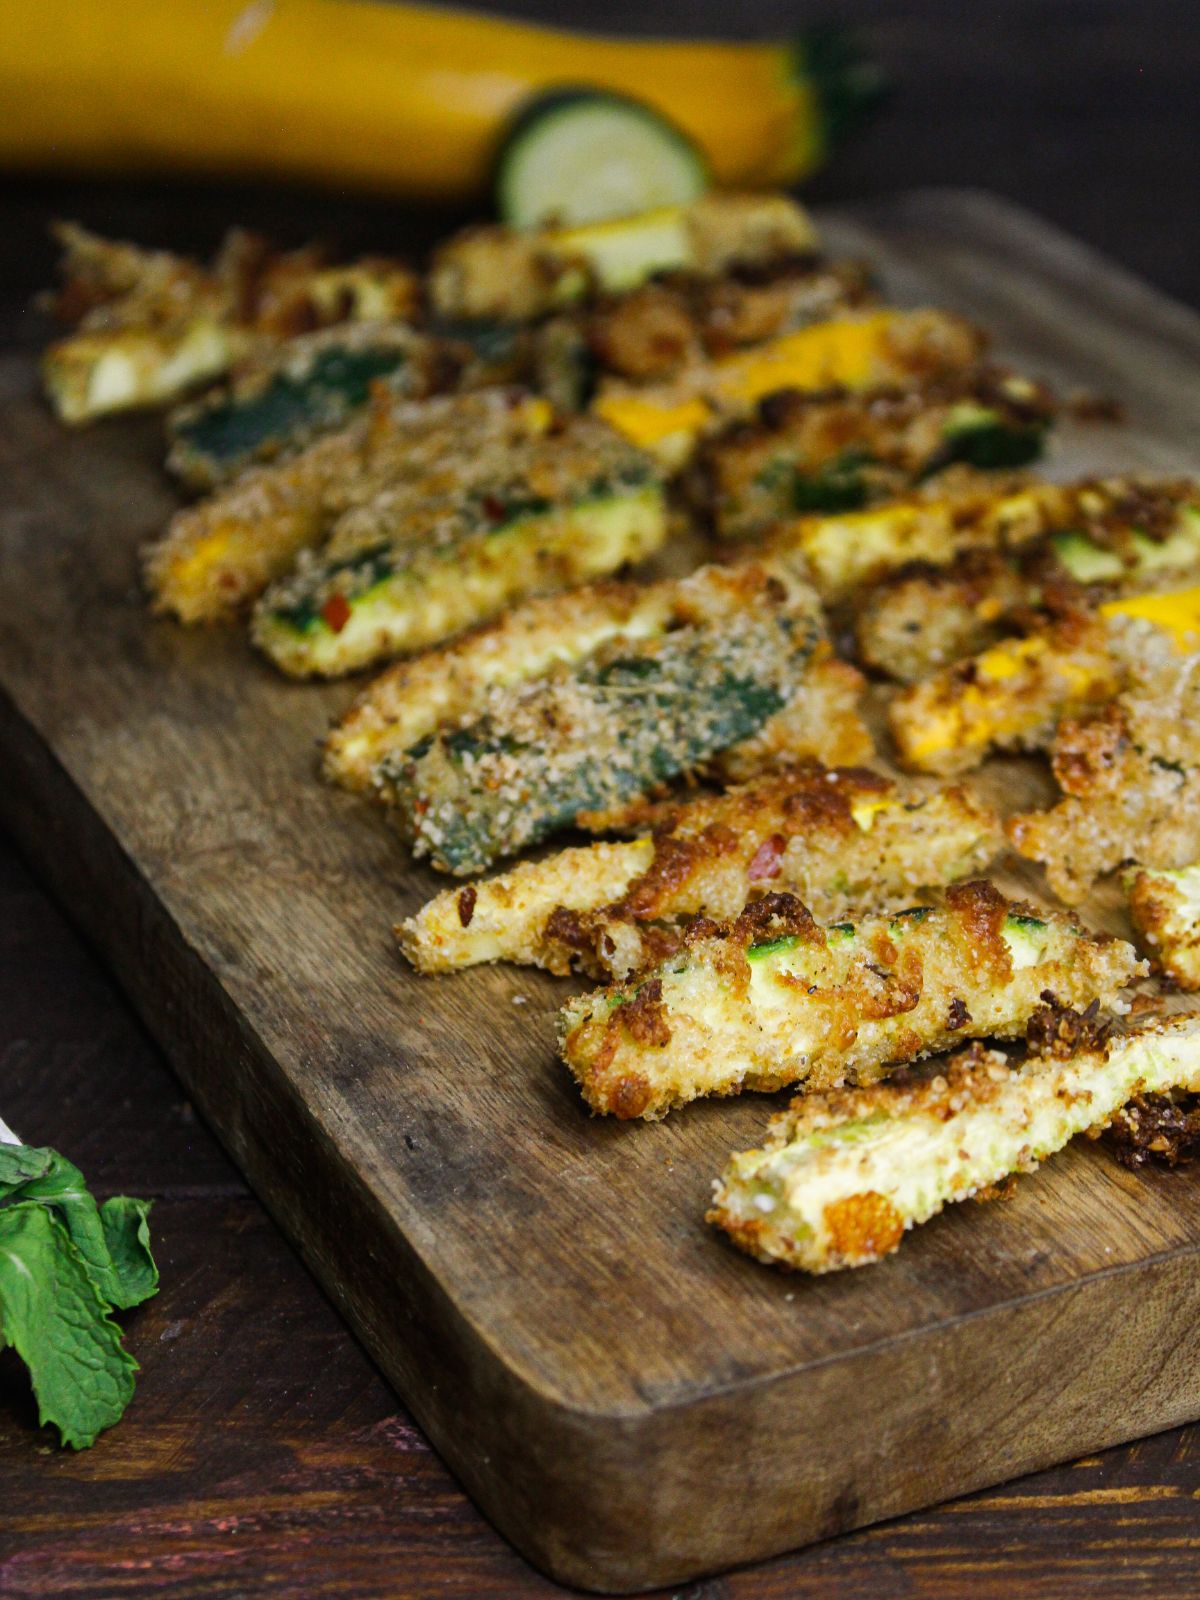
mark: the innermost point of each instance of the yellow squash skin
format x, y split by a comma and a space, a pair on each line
398, 97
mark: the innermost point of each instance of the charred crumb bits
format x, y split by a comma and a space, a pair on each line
1160, 1126
1058, 1032
958, 1016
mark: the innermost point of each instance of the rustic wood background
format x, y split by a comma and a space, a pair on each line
264, 1455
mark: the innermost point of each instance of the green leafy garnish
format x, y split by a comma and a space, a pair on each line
66, 1264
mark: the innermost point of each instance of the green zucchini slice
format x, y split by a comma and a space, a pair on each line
576, 156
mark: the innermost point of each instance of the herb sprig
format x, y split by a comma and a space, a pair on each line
66, 1264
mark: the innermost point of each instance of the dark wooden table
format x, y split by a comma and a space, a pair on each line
263, 1454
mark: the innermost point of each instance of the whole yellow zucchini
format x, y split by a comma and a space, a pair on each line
396, 97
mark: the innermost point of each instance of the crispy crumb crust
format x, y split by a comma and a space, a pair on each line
219, 555
1010, 697
518, 274
172, 322
1156, 1127
590, 734
922, 619
1130, 778
842, 1175
839, 838
745, 476
1164, 908
714, 1019
917, 621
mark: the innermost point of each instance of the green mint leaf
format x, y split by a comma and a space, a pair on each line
19, 1163
52, 1313
61, 1185
126, 1224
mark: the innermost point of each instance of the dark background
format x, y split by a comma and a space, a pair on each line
263, 1454
1085, 110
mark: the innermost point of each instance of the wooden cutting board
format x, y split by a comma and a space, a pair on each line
629, 1400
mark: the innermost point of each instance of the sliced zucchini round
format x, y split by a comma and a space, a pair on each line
577, 156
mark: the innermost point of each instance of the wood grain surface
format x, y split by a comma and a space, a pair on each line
628, 1400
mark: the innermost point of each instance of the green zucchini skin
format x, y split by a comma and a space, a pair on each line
991, 442
849, 86
319, 382
218, 438
631, 717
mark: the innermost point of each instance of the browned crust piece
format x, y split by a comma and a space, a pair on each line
890, 1001
1131, 784
897, 429
717, 853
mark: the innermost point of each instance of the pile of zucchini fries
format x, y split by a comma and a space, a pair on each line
448, 474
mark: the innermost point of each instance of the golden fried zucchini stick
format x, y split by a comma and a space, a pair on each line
423, 558
219, 555
1164, 907
281, 400
1131, 783
846, 552
841, 1176
775, 998
859, 351
516, 274
598, 733
839, 451
1010, 697
1013, 696
836, 837
1123, 534
153, 325
451, 683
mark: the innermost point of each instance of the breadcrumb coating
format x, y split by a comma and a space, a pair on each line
774, 998
839, 838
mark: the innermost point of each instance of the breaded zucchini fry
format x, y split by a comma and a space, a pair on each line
837, 838
860, 351
1131, 784
839, 451
841, 1176
428, 556
1123, 534
775, 998
308, 386
651, 332
1010, 697
1164, 907
635, 714
317, 382
845, 553
516, 275
153, 325
821, 722
451, 683
219, 555
1013, 696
